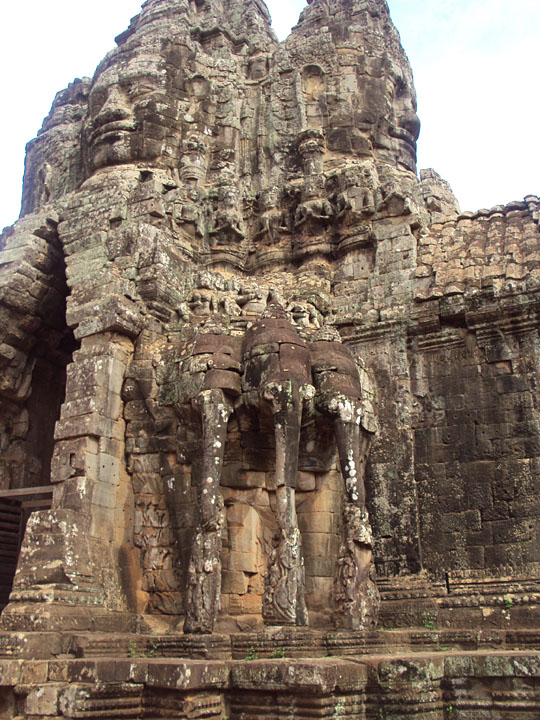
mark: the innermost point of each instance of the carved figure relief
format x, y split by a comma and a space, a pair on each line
126, 100
216, 200
341, 396
203, 222
272, 371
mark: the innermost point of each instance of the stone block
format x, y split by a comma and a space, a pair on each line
324, 500
319, 522
512, 531
187, 675
110, 406
76, 493
94, 425
145, 463
73, 458
244, 529
480, 537
475, 557
55, 550
318, 566
512, 384
105, 495
509, 554
36, 671
110, 468
306, 482
469, 520
311, 678
319, 544
411, 670
233, 476
248, 604
320, 595
526, 507
251, 604
10, 672
256, 584
43, 700
242, 562
112, 314
112, 446
234, 582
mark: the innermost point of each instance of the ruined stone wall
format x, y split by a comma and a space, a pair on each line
279, 386
495, 248
208, 172
477, 441
35, 343
474, 357
464, 390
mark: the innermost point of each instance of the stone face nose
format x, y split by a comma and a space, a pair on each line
411, 122
115, 107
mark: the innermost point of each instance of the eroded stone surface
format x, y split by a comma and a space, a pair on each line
224, 251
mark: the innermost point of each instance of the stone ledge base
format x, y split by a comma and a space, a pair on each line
276, 644
51, 617
426, 686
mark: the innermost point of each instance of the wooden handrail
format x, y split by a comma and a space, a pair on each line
25, 492
36, 504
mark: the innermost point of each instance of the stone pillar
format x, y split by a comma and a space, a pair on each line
204, 573
277, 375
343, 395
283, 599
356, 595
71, 555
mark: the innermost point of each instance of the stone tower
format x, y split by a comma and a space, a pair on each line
261, 385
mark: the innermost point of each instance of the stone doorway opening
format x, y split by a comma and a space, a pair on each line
36, 347
16, 507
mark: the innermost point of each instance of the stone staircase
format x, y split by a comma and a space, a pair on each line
281, 673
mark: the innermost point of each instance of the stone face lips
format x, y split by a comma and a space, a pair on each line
205, 175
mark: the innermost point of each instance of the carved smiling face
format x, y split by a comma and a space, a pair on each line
405, 126
357, 81
130, 111
385, 106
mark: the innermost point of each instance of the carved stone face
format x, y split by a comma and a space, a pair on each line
386, 104
258, 67
129, 111
406, 126
375, 86
228, 198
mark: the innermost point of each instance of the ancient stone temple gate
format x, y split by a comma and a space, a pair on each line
263, 388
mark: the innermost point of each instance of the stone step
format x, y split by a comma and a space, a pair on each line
276, 643
426, 686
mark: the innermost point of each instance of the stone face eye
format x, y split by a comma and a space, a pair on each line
401, 88
138, 90
97, 101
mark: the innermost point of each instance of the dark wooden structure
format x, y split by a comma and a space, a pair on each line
15, 509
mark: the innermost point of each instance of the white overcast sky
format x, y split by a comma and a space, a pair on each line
475, 63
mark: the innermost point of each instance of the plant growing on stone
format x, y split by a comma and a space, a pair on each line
251, 654
428, 621
153, 649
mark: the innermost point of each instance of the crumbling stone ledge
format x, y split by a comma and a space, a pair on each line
427, 685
